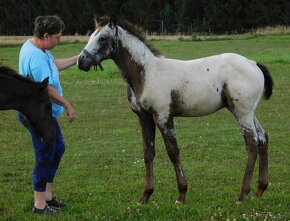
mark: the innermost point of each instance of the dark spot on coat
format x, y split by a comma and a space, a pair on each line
176, 104
132, 72
226, 98
229, 102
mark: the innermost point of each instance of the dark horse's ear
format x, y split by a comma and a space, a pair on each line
44, 84
113, 21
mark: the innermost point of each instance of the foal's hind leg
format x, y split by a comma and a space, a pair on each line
250, 137
168, 134
263, 158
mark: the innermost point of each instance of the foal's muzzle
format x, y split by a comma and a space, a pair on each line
85, 65
81, 64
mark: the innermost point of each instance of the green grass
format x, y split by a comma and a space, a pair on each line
101, 174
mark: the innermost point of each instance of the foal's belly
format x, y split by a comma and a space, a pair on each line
198, 111
198, 106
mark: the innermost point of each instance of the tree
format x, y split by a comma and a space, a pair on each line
166, 16
179, 15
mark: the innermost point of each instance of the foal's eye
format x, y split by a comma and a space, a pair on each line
102, 39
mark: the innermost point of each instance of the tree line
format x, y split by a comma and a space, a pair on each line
155, 16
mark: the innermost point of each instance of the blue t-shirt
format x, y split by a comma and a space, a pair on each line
37, 65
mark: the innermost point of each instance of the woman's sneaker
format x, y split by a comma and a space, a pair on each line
55, 203
47, 210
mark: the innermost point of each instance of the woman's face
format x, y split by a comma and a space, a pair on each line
51, 40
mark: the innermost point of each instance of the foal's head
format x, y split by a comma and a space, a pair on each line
101, 45
107, 40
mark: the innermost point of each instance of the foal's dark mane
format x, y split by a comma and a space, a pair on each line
9, 72
135, 30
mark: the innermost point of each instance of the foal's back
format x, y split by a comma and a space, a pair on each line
198, 87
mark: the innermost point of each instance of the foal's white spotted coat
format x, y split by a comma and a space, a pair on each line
194, 88
199, 82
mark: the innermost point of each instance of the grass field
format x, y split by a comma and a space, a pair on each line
101, 174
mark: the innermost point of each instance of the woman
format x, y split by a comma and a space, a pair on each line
37, 63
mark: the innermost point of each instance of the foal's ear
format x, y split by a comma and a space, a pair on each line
113, 21
44, 84
97, 20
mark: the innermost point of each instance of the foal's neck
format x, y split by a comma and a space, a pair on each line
138, 50
132, 57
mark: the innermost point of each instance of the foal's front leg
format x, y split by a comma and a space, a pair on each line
148, 133
168, 134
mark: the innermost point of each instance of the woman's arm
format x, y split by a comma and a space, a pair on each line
55, 97
64, 63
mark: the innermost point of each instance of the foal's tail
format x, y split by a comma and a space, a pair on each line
268, 85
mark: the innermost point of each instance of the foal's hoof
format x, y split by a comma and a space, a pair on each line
143, 200
180, 199
239, 202
241, 199
261, 190
259, 193
177, 202
140, 203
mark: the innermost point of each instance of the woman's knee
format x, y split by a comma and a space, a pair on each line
60, 149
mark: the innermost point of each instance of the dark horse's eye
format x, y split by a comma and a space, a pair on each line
102, 39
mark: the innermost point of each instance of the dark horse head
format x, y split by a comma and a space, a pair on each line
31, 99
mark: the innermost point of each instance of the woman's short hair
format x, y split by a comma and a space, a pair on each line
47, 24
